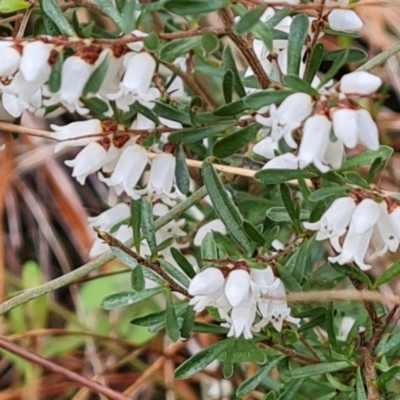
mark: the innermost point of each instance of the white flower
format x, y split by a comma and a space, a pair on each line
344, 21
334, 154
161, 179
345, 126
215, 225
237, 287
89, 160
333, 224
360, 82
284, 161
314, 142
111, 217
10, 59
139, 73
345, 328
368, 134
81, 129
34, 62
128, 170
242, 318
266, 147
356, 243
287, 117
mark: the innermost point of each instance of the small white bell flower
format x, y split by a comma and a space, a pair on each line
334, 222
314, 142
89, 160
287, 117
111, 217
344, 21
368, 133
242, 318
345, 126
360, 82
35, 61
81, 129
284, 161
10, 60
206, 282
385, 231
237, 287
334, 154
266, 147
128, 170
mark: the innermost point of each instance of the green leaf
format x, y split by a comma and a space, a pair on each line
387, 376
125, 258
172, 113
190, 135
158, 317
95, 81
297, 37
360, 390
234, 142
182, 175
354, 179
227, 85
10, 6
175, 273
151, 43
338, 385
128, 16
391, 344
55, 14
291, 389
150, 114
353, 273
96, 105
230, 64
275, 176
388, 275
124, 299
339, 62
55, 78
224, 207
200, 360
317, 369
255, 380
315, 63
183, 262
231, 109
354, 55
203, 327
253, 233
367, 158
327, 192
299, 85
147, 224
137, 279
171, 320
136, 218
289, 204
188, 323
209, 248
210, 42
280, 214
172, 50
192, 7
247, 21
109, 9
266, 98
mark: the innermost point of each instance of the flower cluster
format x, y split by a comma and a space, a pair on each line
28, 82
246, 300
120, 158
351, 125
360, 222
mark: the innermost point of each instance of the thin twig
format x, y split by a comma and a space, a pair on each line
74, 377
291, 353
368, 362
246, 48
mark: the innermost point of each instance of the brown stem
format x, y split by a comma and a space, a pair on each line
154, 266
369, 306
292, 354
246, 48
380, 330
74, 377
369, 369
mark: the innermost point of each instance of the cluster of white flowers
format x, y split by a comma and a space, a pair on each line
351, 125
26, 68
246, 300
360, 223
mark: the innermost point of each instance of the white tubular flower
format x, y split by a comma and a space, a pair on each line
215, 225
345, 126
360, 82
356, 243
284, 161
386, 231
368, 133
35, 61
287, 117
394, 216
161, 179
333, 224
10, 59
266, 147
345, 328
66, 134
242, 318
114, 72
344, 21
128, 170
111, 217
89, 160
314, 142
237, 287
334, 154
